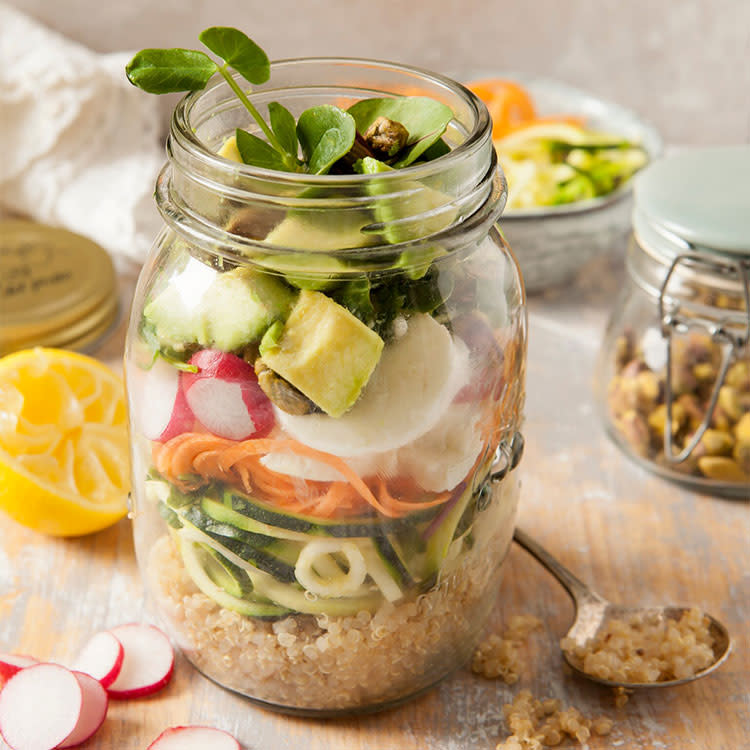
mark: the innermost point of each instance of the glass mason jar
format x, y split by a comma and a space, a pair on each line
326, 381
673, 378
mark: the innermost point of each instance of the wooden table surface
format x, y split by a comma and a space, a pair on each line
634, 536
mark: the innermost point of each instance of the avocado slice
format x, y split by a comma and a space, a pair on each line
392, 209
321, 231
323, 351
235, 310
316, 271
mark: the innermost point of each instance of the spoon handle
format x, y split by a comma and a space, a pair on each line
578, 590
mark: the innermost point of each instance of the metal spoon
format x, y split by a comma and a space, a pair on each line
593, 612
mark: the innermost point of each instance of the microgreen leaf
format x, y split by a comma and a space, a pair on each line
325, 133
283, 126
239, 51
424, 118
258, 153
163, 71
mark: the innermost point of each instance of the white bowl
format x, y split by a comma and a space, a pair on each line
553, 242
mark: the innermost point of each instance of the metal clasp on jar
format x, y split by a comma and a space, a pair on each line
731, 340
507, 457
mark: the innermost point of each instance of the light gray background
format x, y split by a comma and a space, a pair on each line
683, 64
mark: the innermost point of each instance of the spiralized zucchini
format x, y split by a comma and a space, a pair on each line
341, 584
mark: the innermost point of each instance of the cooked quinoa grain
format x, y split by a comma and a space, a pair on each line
536, 724
499, 655
646, 649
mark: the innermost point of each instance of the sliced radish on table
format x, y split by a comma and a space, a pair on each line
165, 411
93, 710
225, 397
12, 663
194, 738
101, 658
148, 662
40, 707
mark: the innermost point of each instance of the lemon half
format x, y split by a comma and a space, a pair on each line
64, 467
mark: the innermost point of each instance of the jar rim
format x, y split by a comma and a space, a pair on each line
463, 189
197, 149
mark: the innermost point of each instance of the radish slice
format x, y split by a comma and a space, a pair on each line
12, 663
93, 710
194, 738
148, 663
40, 707
101, 658
225, 397
165, 412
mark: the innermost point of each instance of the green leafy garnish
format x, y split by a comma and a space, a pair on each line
239, 51
325, 134
258, 152
283, 126
165, 71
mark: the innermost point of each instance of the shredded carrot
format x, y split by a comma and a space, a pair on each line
401, 505
191, 460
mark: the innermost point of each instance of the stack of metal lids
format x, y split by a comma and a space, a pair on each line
57, 288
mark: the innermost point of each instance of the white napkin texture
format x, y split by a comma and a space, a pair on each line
80, 146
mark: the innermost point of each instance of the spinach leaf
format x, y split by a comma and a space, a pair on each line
424, 118
354, 295
257, 152
283, 126
239, 51
164, 71
325, 133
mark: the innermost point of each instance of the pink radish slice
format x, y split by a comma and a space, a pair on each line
148, 663
93, 710
12, 663
194, 738
40, 707
164, 410
225, 397
101, 658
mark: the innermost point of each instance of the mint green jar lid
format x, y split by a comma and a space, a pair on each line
699, 198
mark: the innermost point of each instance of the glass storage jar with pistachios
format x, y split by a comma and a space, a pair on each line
673, 378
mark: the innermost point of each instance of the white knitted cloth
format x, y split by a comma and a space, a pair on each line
80, 147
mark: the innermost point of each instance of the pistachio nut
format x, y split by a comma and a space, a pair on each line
722, 469
738, 375
657, 419
716, 443
729, 401
634, 429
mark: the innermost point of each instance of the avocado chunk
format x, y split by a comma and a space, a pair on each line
323, 351
229, 150
321, 231
235, 310
414, 199
316, 271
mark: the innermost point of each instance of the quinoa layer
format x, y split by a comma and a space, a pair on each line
335, 664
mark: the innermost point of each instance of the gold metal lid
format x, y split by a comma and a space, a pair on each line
57, 288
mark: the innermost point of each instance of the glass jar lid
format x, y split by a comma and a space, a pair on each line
697, 200
57, 288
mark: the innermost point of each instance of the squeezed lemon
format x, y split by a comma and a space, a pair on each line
64, 467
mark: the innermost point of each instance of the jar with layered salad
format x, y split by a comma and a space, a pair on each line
326, 382
673, 377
